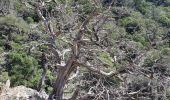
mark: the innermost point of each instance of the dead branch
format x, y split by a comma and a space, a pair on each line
100, 72
47, 22
76, 74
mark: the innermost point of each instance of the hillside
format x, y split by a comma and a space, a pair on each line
87, 49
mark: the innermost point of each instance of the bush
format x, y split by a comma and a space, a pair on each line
143, 6
129, 3
127, 20
14, 21
151, 58
141, 39
166, 51
2, 42
131, 24
23, 69
87, 7
16, 46
29, 20
3, 77
105, 58
18, 38
165, 20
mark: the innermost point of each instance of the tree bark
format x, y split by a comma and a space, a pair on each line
61, 80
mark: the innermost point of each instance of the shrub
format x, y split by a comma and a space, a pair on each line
23, 69
87, 7
131, 24
141, 39
105, 57
18, 5
165, 20
144, 7
127, 20
29, 20
11, 20
2, 42
16, 46
129, 3
3, 76
166, 51
151, 57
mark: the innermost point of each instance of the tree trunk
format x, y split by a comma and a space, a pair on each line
62, 77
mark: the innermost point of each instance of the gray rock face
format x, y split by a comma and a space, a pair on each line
21, 93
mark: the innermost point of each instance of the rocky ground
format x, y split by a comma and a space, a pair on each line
20, 93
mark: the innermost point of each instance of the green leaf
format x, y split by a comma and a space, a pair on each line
105, 58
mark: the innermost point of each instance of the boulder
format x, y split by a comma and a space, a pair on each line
21, 93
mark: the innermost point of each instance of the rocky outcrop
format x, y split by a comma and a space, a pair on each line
21, 93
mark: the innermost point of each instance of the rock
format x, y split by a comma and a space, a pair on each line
22, 93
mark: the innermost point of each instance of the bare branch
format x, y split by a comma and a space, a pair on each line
75, 75
98, 71
47, 22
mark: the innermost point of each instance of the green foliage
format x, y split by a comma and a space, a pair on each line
127, 20
134, 18
143, 6
167, 1
162, 15
105, 58
48, 83
18, 38
166, 51
23, 69
152, 56
61, 1
12, 20
62, 42
145, 19
165, 20
150, 25
18, 5
3, 76
16, 46
1, 50
141, 39
131, 24
86, 6
2, 41
29, 20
